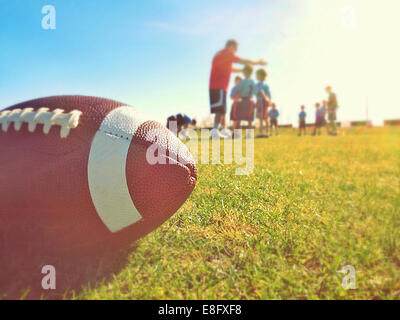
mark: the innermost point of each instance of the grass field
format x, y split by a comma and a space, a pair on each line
311, 206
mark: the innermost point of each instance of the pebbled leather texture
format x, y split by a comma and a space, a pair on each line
46, 212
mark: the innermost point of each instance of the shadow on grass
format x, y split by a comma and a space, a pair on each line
20, 281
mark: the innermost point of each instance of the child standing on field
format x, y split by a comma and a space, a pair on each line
332, 107
302, 121
273, 116
243, 108
235, 96
263, 98
319, 119
324, 111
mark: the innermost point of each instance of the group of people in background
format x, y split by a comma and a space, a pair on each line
243, 94
328, 107
250, 98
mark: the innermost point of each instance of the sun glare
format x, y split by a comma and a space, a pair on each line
351, 45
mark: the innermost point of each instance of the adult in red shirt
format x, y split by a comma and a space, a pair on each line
219, 80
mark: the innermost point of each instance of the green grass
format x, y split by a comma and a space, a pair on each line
311, 206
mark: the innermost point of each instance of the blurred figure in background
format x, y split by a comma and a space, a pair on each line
176, 123
332, 107
236, 98
302, 121
324, 111
219, 80
263, 100
243, 108
319, 119
273, 119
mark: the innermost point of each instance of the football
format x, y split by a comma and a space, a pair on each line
83, 175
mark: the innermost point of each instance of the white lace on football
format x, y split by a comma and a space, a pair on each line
57, 117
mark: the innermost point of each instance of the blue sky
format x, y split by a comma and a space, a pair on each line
156, 55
